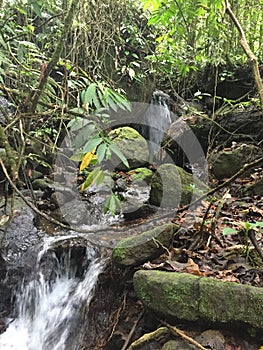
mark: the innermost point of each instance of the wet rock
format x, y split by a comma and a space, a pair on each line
171, 185
212, 339
228, 162
193, 298
143, 211
133, 146
78, 212
41, 184
135, 250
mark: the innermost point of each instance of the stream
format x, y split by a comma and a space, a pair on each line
50, 308
53, 275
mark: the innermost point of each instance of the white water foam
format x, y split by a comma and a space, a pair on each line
49, 312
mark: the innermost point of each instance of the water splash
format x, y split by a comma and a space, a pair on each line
51, 314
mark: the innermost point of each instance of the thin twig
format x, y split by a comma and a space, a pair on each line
117, 317
251, 235
245, 168
177, 331
132, 331
149, 336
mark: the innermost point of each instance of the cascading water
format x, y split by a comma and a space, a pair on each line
156, 121
51, 312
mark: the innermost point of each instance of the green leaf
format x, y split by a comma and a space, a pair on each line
111, 204
257, 224
107, 205
78, 123
83, 135
93, 176
101, 150
118, 153
88, 94
94, 142
102, 98
229, 231
100, 178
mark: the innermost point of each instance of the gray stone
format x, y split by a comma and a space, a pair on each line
255, 189
135, 250
226, 163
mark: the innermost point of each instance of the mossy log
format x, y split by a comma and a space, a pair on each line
193, 298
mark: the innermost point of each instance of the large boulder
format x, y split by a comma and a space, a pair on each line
136, 250
171, 185
193, 298
133, 146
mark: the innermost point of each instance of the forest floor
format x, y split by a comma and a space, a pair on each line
224, 241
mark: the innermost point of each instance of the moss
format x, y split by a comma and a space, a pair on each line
137, 249
172, 185
119, 254
124, 133
143, 174
187, 297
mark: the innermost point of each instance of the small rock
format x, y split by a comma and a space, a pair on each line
135, 250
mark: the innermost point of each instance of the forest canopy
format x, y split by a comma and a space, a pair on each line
66, 59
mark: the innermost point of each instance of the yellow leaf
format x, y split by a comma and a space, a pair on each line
87, 159
93, 176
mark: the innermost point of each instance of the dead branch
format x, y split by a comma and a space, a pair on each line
251, 235
132, 331
149, 336
177, 331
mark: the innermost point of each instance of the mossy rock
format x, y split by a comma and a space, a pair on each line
42, 184
141, 174
133, 146
137, 249
226, 163
171, 185
193, 298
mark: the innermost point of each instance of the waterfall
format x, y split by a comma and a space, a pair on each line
51, 312
156, 122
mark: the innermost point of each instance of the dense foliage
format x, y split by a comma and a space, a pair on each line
65, 59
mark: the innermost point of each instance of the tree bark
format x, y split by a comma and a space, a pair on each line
252, 58
36, 94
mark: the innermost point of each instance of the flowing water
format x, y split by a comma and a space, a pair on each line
156, 122
51, 310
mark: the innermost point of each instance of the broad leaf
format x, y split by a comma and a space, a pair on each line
94, 142
101, 151
87, 159
116, 150
229, 231
93, 176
